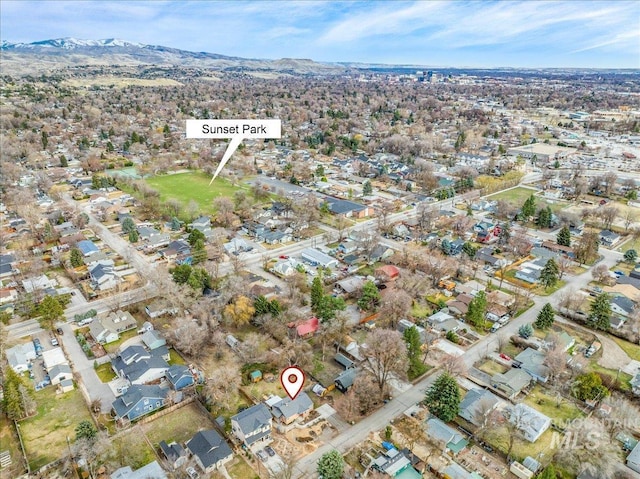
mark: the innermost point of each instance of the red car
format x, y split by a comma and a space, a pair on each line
505, 357
283, 256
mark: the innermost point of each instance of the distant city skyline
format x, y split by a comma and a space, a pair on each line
477, 34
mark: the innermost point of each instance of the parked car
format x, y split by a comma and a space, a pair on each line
283, 256
60, 331
505, 357
261, 454
192, 473
270, 451
54, 341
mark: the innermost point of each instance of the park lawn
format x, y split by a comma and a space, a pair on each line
10, 442
516, 195
542, 401
45, 434
185, 187
179, 425
105, 372
632, 350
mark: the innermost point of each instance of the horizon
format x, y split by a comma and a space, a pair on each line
439, 34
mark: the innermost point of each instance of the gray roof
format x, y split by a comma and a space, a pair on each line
152, 339
288, 408
209, 446
253, 418
476, 402
60, 369
172, 451
125, 403
514, 380
439, 431
346, 378
623, 303
148, 471
533, 362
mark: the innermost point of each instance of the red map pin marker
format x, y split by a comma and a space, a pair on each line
292, 380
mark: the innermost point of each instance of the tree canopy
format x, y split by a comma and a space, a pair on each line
331, 465
545, 317
600, 314
443, 398
564, 237
549, 274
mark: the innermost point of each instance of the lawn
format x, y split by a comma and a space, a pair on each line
522, 448
113, 347
516, 195
175, 358
131, 449
491, 367
178, 426
545, 402
45, 435
632, 350
105, 372
10, 442
624, 379
185, 187
239, 469
631, 244
420, 310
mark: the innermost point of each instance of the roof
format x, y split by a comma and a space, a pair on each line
209, 446
623, 303
352, 284
177, 372
125, 403
439, 431
309, 326
312, 254
253, 418
59, 369
634, 455
342, 206
514, 380
346, 378
152, 338
172, 451
389, 270
149, 471
533, 362
529, 420
477, 402
87, 247
288, 408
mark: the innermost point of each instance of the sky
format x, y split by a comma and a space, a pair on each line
529, 33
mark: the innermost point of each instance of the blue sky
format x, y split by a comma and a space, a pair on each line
526, 33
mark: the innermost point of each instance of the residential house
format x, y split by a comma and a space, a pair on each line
153, 339
59, 373
317, 258
344, 361
6, 265
559, 249
236, 246
460, 304
87, 247
348, 247
140, 366
138, 401
450, 439
351, 285
477, 405
253, 426
158, 308
38, 283
345, 379
287, 410
286, 267
107, 328
380, 253
103, 276
178, 251
203, 224
209, 450
20, 356
149, 471
179, 377
622, 305
608, 238
346, 208
174, 453
388, 272
511, 383
486, 232
8, 295
497, 313
531, 423
529, 271
53, 357
305, 328
456, 471
395, 464
564, 340
532, 361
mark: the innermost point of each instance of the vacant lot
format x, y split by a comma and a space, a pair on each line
186, 187
178, 426
516, 195
560, 410
498, 438
45, 434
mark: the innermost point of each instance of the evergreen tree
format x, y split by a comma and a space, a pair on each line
370, 297
529, 207
505, 234
175, 224
50, 311
367, 189
86, 430
331, 465
75, 258
544, 217
128, 225
548, 472
469, 249
549, 274
412, 338
317, 292
199, 253
545, 317
564, 237
194, 236
631, 256
525, 331
443, 398
134, 236
63, 161
600, 314
477, 309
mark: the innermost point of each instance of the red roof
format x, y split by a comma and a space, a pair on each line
389, 270
309, 326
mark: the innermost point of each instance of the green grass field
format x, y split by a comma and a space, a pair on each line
45, 434
540, 400
105, 372
516, 195
178, 426
185, 187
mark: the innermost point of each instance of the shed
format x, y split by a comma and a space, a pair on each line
66, 385
256, 376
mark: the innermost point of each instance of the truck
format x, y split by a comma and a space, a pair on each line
594, 348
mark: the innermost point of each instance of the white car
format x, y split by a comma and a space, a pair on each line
192, 473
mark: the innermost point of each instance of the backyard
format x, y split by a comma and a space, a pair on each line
559, 409
45, 435
178, 426
10, 443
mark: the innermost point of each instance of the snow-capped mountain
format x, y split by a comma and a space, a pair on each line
70, 43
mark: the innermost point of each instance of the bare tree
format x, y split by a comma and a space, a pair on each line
189, 336
565, 265
556, 360
385, 356
454, 365
222, 386
395, 306
600, 273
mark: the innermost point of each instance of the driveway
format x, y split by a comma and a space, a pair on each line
84, 367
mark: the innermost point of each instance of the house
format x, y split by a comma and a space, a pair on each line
285, 267
103, 276
178, 251
380, 253
531, 423
485, 255
388, 272
153, 339
348, 247
138, 401
8, 295
179, 377
456, 471
59, 373
497, 313
66, 385
236, 246
287, 410
19, 357
158, 308
344, 361
563, 340
253, 426
174, 453
140, 366
633, 459
529, 271
622, 305
6, 265
395, 464
87, 247
447, 437
38, 283
348, 209
209, 450
532, 361
317, 258
102, 334
511, 383
107, 328
351, 285
53, 357
305, 328
345, 379
477, 405
608, 238
149, 471
559, 249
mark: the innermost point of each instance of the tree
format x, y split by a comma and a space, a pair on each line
367, 189
198, 253
631, 256
469, 249
544, 217
317, 292
564, 236
600, 314
75, 258
50, 311
545, 317
600, 273
443, 398
549, 274
134, 236
331, 465
548, 472
529, 207
195, 236
86, 430
588, 386
18, 399
128, 225
505, 234
370, 297
240, 311
412, 338
525, 331
587, 248
395, 306
386, 355
477, 310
